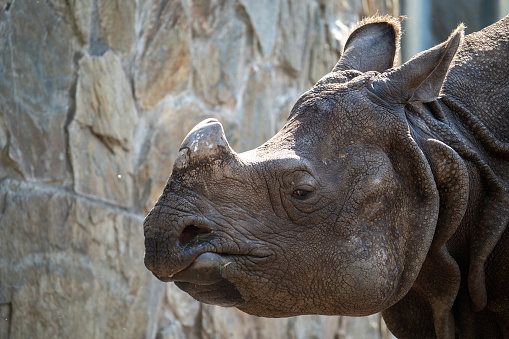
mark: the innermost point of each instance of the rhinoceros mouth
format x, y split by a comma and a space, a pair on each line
204, 280
202, 259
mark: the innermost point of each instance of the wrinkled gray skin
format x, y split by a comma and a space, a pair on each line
386, 190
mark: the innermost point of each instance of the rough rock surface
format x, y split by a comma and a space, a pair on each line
96, 97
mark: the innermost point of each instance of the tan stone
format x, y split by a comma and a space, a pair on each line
221, 323
164, 67
70, 266
264, 16
116, 24
182, 316
36, 71
101, 132
295, 20
82, 13
5, 320
206, 16
259, 123
217, 63
3, 134
185, 308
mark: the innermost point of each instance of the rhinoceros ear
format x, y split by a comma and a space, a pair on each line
372, 46
420, 78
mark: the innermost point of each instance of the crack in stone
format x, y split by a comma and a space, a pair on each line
13, 70
71, 113
14, 185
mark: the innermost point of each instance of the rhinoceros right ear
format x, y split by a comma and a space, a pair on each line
372, 46
420, 78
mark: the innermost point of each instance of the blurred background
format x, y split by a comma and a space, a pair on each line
431, 21
95, 99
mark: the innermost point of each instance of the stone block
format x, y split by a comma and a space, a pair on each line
70, 266
164, 67
206, 15
36, 68
101, 133
81, 11
264, 15
258, 120
217, 63
115, 24
294, 26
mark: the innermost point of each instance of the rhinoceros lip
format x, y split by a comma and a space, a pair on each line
205, 269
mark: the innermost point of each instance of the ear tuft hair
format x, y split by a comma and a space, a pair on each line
394, 21
373, 45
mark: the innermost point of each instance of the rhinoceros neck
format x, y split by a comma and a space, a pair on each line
470, 163
476, 87
482, 150
475, 99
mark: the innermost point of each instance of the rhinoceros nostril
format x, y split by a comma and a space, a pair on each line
191, 232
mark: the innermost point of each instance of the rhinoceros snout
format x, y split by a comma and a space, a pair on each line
172, 246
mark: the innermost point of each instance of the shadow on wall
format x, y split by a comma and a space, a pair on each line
429, 22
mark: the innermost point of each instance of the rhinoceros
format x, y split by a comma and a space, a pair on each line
387, 190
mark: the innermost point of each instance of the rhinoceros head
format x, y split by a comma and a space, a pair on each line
333, 215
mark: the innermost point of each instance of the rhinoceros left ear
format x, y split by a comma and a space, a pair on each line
372, 46
421, 78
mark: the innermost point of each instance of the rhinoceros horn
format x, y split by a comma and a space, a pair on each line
205, 143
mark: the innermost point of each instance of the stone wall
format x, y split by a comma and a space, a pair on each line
96, 96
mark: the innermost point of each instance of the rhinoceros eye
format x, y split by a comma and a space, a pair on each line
301, 194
